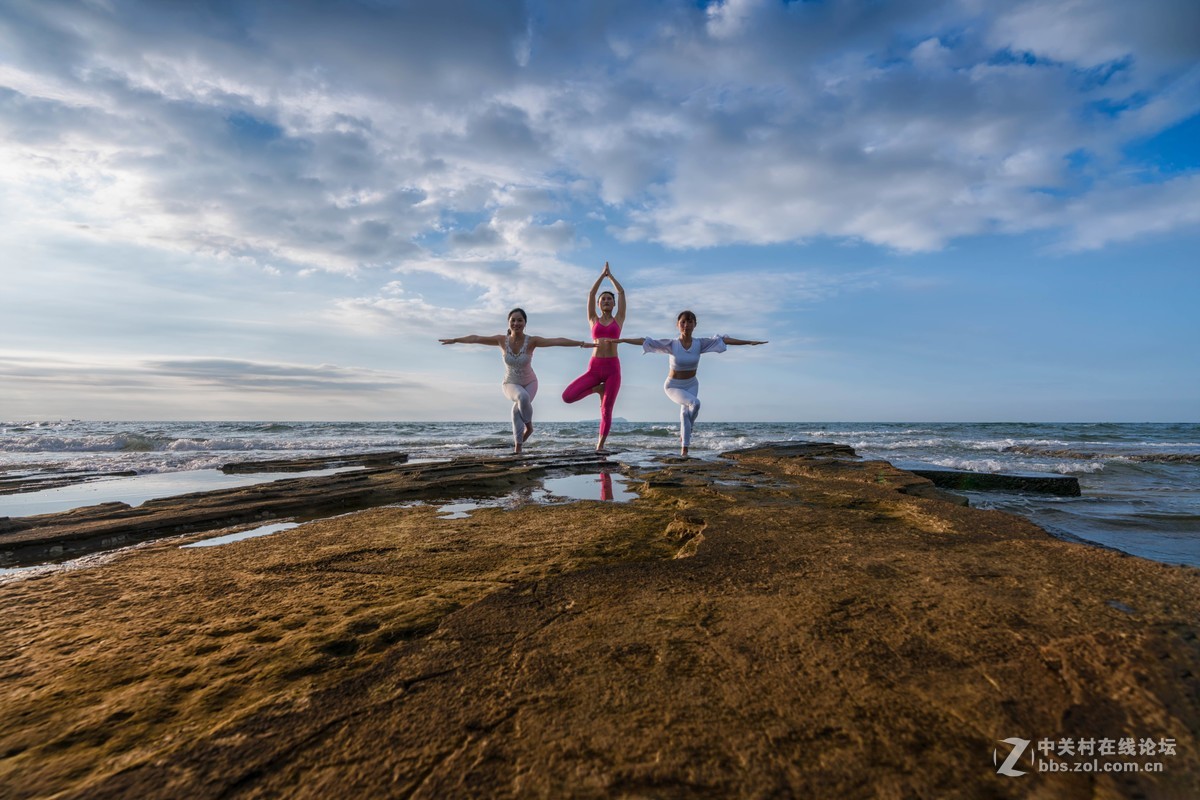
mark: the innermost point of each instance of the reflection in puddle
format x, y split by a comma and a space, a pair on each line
591, 487
603, 486
264, 530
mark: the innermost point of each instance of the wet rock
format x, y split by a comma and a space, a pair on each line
39, 481
388, 459
967, 481
923, 487
795, 450
9, 524
830, 636
30, 540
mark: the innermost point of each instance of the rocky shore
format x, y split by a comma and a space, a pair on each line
384, 478
785, 622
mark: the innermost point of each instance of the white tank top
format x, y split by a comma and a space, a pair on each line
517, 366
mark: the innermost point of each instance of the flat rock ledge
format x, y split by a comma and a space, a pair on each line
761, 626
36, 481
385, 479
957, 479
968, 481
384, 459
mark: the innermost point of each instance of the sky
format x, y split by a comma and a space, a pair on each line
934, 210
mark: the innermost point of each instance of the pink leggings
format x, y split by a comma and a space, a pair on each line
600, 370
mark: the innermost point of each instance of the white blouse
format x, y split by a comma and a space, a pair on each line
684, 358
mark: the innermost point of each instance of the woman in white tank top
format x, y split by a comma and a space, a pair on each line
520, 383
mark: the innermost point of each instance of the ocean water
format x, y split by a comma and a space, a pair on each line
1140, 482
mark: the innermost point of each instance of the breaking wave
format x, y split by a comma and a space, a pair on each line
1084, 455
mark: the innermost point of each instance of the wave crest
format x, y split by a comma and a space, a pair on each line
1084, 455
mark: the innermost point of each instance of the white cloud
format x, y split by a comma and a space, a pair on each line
739, 301
307, 136
48, 384
392, 309
1120, 214
195, 373
1089, 33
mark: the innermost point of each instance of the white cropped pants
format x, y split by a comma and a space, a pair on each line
685, 394
522, 410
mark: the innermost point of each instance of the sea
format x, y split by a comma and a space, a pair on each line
1140, 482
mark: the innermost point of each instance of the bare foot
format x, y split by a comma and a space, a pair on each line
599, 445
599, 389
683, 452
528, 431
517, 449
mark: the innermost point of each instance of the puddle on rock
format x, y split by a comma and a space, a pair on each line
459, 510
81, 562
137, 489
605, 486
262, 530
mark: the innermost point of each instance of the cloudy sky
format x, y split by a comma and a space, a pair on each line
933, 209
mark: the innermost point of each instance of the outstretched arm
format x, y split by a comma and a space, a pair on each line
637, 340
541, 341
473, 339
731, 340
620, 315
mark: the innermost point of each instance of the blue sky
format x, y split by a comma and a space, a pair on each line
935, 211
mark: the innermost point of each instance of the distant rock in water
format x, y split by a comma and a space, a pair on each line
1151, 458
967, 481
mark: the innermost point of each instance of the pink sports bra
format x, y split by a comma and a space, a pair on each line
610, 331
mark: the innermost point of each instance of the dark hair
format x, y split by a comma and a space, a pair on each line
610, 294
520, 311
689, 314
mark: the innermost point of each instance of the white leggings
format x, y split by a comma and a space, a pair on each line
522, 410
685, 394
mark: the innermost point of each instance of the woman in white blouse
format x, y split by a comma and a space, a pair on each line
682, 386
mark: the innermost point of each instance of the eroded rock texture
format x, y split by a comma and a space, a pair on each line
775, 625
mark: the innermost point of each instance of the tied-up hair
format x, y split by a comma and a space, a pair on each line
524, 317
610, 294
685, 315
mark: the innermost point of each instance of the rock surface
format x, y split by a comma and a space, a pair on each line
31, 540
767, 626
969, 481
36, 481
387, 459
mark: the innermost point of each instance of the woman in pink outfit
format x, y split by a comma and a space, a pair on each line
603, 376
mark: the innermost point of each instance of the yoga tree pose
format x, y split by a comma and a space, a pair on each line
685, 351
520, 384
603, 376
